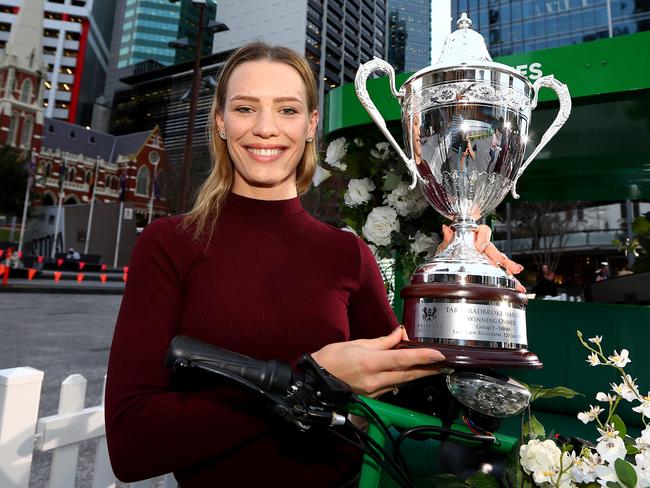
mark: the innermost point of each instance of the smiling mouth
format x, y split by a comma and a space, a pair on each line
266, 152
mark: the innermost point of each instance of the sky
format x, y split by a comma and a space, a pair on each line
440, 26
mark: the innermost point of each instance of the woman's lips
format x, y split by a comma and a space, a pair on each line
265, 154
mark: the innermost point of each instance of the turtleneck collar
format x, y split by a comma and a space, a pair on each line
268, 208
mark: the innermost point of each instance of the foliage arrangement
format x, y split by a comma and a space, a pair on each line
640, 245
377, 204
618, 460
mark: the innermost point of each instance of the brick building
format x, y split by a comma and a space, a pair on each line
133, 167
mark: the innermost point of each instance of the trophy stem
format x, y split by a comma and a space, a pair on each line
461, 247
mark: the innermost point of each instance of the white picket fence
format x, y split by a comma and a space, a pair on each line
21, 431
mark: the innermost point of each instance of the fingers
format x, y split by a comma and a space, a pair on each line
404, 359
482, 237
447, 235
390, 380
386, 342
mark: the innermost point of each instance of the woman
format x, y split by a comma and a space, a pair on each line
249, 270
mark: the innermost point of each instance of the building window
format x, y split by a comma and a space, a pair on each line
142, 182
26, 134
26, 91
71, 174
13, 129
48, 170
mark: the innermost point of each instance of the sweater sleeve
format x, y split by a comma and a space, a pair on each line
152, 429
369, 313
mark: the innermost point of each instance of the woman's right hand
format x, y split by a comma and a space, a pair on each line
371, 367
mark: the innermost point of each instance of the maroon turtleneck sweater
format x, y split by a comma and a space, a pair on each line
273, 283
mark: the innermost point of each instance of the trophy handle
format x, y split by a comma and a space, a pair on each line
563, 114
365, 70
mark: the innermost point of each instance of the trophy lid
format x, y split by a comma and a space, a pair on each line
465, 47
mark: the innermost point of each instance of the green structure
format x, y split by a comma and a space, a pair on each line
603, 151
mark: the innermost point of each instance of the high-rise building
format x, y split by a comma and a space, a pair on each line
334, 35
142, 32
76, 35
409, 34
515, 26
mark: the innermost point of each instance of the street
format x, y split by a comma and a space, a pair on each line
60, 335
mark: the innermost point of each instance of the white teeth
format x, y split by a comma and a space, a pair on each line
265, 152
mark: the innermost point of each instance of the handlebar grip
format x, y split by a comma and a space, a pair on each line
184, 351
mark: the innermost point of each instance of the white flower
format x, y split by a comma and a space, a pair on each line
591, 415
620, 360
642, 468
358, 141
424, 243
584, 467
593, 360
358, 192
335, 152
643, 442
605, 397
644, 408
320, 175
610, 446
605, 474
381, 151
630, 392
380, 223
596, 340
542, 460
407, 203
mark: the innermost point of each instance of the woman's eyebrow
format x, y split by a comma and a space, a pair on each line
275, 100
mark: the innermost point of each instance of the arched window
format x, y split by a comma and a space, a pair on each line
48, 170
71, 174
26, 91
13, 129
88, 176
142, 182
26, 134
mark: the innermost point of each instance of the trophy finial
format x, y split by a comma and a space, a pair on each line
464, 22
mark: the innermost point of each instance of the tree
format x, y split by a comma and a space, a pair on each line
13, 178
548, 225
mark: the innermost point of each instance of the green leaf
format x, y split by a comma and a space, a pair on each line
442, 481
536, 428
625, 473
613, 484
482, 480
619, 425
631, 449
558, 391
391, 182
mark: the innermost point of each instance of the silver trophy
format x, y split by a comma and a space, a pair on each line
466, 122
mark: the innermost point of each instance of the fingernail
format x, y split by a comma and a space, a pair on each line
436, 356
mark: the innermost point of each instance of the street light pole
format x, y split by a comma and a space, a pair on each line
196, 86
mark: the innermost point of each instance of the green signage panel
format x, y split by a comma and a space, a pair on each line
599, 67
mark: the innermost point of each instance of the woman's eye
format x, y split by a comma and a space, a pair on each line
289, 111
244, 110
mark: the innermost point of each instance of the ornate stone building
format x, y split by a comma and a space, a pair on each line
132, 167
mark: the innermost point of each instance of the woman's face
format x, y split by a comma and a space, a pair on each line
266, 121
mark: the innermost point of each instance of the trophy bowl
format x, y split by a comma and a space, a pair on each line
465, 123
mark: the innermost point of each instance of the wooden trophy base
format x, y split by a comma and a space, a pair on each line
471, 300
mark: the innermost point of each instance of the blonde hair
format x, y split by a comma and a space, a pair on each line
215, 189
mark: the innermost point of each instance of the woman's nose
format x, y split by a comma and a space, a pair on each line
265, 125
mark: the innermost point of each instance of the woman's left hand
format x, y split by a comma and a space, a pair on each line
489, 250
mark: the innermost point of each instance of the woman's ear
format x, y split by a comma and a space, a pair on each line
221, 126
313, 123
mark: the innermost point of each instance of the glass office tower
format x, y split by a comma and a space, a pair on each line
515, 26
409, 34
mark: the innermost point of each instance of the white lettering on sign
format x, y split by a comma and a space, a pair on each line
532, 70
128, 213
